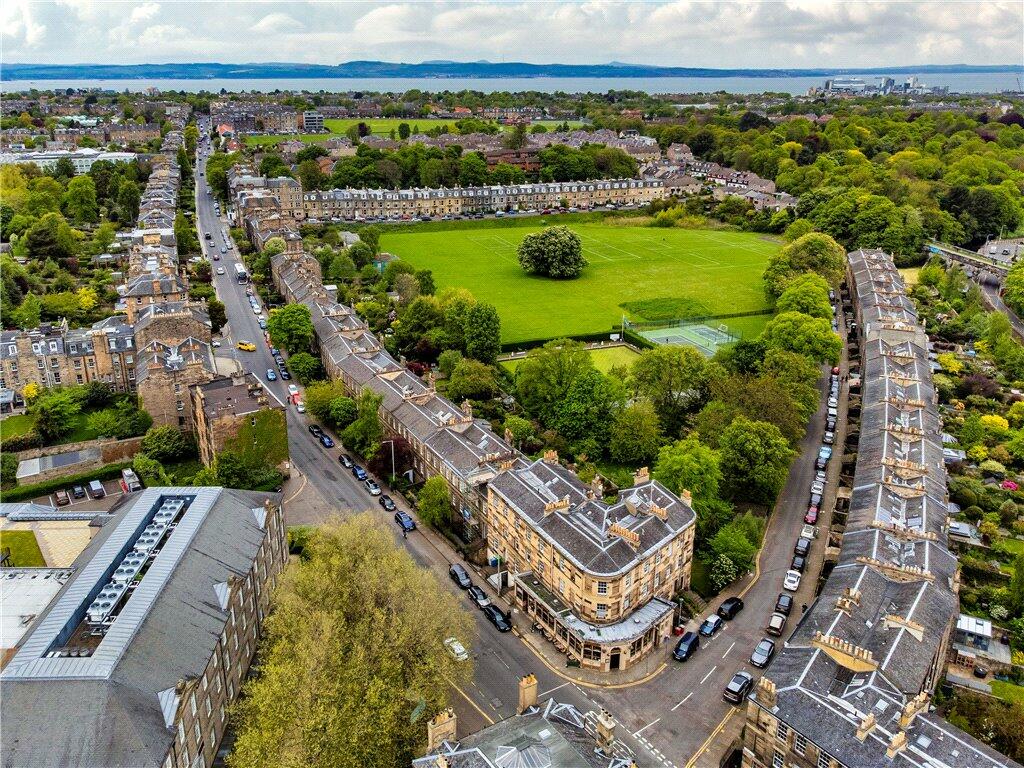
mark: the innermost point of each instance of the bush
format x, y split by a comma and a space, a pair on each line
8, 470
167, 444
14, 443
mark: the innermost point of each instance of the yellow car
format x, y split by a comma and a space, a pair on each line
246, 346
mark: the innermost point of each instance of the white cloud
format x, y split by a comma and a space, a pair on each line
691, 33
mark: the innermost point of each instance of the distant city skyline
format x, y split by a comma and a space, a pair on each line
766, 35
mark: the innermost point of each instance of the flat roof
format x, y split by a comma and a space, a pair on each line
24, 594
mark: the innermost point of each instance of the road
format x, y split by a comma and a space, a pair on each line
994, 300
676, 717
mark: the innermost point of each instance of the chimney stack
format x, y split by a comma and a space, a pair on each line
605, 732
550, 457
766, 694
866, 726
527, 692
441, 728
641, 476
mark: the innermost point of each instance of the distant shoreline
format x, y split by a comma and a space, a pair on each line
451, 71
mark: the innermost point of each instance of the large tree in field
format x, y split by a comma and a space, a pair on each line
352, 663
814, 252
552, 252
291, 327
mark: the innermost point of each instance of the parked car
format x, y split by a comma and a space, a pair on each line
686, 647
803, 546
96, 489
738, 688
478, 596
371, 486
763, 653
820, 476
325, 441
776, 624
792, 581
271, 374
456, 649
830, 424
497, 618
387, 502
405, 522
798, 564
62, 498
711, 625
817, 488
825, 451
833, 412
78, 491
833, 402
830, 437
729, 608
314, 430
460, 576
784, 604
835, 370
808, 532
359, 472
812, 516
300, 407
820, 463
292, 389
285, 375
346, 461
816, 500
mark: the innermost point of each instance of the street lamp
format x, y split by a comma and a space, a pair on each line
392, 457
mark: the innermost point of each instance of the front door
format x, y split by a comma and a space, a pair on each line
614, 659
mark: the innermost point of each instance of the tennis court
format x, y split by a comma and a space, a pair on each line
705, 338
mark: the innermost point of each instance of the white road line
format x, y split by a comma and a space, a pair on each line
637, 733
268, 389
728, 649
677, 706
710, 671
552, 690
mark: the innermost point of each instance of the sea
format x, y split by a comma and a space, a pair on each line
966, 82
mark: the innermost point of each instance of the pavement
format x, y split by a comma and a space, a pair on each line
669, 713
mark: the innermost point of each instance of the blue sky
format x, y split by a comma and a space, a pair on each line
768, 34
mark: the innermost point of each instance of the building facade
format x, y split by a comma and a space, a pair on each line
221, 407
165, 373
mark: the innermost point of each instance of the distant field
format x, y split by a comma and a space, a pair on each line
604, 359
704, 272
378, 127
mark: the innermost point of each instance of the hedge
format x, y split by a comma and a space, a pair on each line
23, 442
23, 492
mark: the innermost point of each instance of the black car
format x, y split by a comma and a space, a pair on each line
803, 546
459, 576
799, 563
763, 653
315, 431
686, 647
497, 618
729, 608
784, 604
738, 688
78, 492
345, 460
285, 375
478, 596
387, 503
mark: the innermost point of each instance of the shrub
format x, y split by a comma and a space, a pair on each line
14, 443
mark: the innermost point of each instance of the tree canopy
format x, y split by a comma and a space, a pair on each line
553, 252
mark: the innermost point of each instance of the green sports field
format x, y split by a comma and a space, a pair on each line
381, 126
645, 273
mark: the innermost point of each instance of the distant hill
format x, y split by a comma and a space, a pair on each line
439, 70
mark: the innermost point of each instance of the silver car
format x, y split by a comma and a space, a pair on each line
763, 653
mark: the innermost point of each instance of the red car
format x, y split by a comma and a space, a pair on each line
836, 370
812, 516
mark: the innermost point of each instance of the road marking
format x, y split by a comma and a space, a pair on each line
268, 389
704, 747
472, 703
298, 491
505, 662
710, 671
728, 649
637, 733
677, 706
552, 690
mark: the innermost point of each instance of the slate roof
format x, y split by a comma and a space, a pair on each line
896, 524
105, 710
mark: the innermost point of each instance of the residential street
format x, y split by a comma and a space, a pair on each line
673, 717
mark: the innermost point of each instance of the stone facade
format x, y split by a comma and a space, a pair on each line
165, 374
222, 406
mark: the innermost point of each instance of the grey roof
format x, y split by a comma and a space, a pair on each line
105, 709
892, 593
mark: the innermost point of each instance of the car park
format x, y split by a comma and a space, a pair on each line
359, 472
803, 547
326, 441
799, 563
62, 498
387, 502
346, 461
738, 688
776, 624
729, 608
497, 618
371, 486
271, 375
459, 575
314, 430
711, 625
686, 647
478, 596
456, 649
792, 581
405, 521
763, 653
784, 604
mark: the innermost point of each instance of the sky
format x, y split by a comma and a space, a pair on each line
770, 34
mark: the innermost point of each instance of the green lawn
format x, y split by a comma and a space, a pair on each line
707, 272
16, 425
24, 549
379, 127
604, 359
1016, 546
1007, 691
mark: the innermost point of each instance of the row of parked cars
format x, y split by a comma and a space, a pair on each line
93, 490
494, 614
